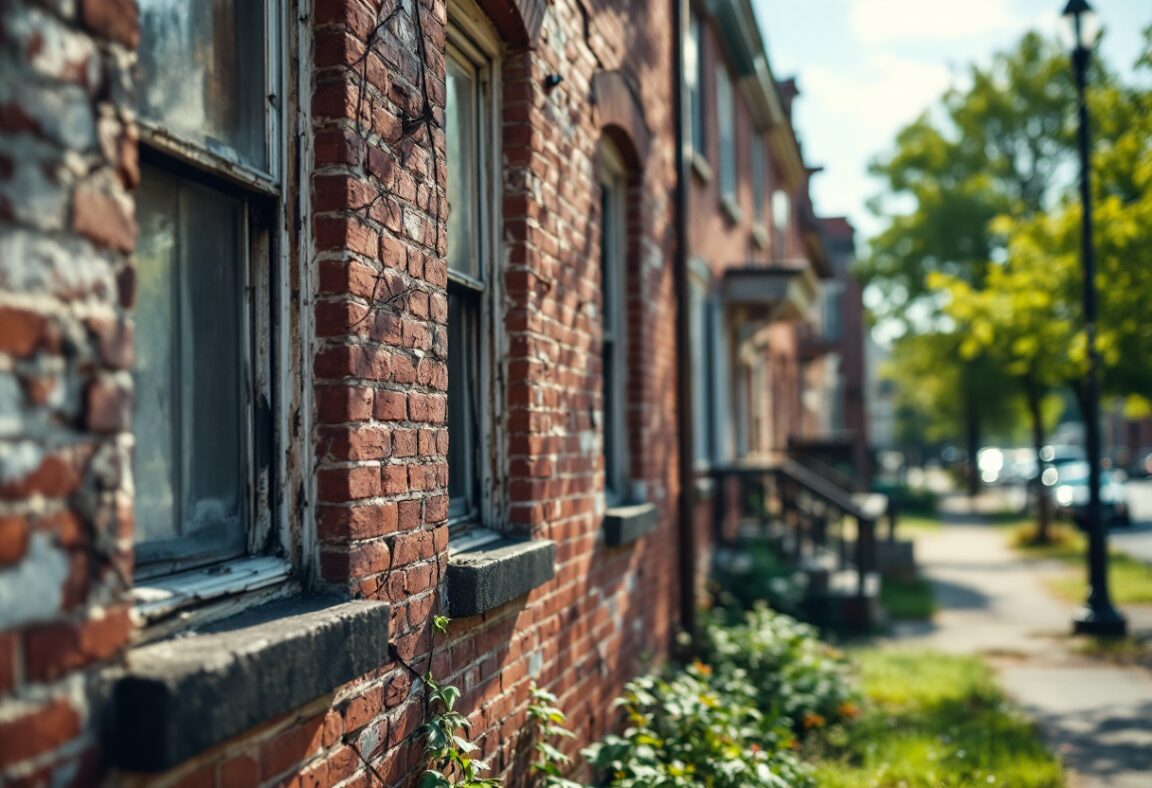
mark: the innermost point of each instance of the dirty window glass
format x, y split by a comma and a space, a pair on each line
189, 466
202, 74
461, 137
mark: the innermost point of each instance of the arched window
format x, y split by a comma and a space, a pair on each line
614, 352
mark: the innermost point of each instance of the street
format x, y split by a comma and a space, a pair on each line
1137, 540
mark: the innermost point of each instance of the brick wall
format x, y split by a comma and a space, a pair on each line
67, 164
370, 295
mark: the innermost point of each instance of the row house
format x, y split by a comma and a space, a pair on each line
322, 318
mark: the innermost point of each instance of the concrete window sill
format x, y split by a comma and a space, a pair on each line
180, 697
731, 209
701, 167
484, 578
625, 524
760, 236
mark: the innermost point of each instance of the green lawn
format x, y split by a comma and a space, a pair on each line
913, 525
931, 719
907, 598
1129, 579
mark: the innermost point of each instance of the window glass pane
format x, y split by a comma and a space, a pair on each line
460, 119
608, 245
463, 387
759, 176
701, 363
190, 468
211, 354
203, 76
693, 62
781, 217
724, 110
157, 446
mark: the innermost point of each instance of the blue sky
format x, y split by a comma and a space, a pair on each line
866, 67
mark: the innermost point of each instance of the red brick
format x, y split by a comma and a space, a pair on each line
105, 219
336, 404
391, 405
20, 331
37, 731
14, 532
118, 20
55, 477
337, 485
356, 522
9, 643
292, 747
241, 771
109, 405
52, 650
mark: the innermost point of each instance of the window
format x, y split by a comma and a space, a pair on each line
759, 177
781, 219
831, 309
467, 129
206, 97
702, 397
694, 79
613, 289
727, 136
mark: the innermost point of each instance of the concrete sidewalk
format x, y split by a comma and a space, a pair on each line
1097, 715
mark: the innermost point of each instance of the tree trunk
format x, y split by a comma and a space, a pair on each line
1043, 500
972, 439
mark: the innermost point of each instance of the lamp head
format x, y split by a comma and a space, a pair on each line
1082, 23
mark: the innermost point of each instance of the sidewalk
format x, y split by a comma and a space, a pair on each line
1097, 715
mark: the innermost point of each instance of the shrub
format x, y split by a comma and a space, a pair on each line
794, 674
758, 574
697, 728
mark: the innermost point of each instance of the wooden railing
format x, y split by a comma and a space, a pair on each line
864, 496
811, 513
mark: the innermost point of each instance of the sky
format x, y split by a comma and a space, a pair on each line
867, 67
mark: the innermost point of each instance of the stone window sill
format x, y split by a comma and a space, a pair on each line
625, 524
730, 208
701, 167
760, 236
485, 577
180, 697
705, 488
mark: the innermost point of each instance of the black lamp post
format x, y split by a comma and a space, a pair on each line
1098, 617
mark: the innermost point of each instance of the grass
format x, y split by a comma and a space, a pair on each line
907, 598
931, 719
914, 524
1129, 579
1129, 650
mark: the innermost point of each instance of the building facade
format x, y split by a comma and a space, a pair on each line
319, 320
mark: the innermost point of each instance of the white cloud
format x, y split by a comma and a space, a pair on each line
884, 21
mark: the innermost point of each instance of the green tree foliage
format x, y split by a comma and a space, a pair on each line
995, 148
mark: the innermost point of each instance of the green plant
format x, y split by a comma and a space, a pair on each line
447, 753
792, 672
932, 720
548, 720
695, 728
758, 574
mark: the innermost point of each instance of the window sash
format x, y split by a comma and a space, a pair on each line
759, 176
694, 76
613, 289
469, 140
219, 412
188, 137
725, 117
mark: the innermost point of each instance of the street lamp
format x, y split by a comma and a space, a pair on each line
1098, 617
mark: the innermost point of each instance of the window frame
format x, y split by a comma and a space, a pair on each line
167, 584
727, 164
703, 362
694, 78
614, 188
471, 38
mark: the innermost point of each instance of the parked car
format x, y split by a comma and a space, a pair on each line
1141, 465
1070, 494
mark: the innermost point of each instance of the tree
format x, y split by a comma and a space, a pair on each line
998, 147
1028, 314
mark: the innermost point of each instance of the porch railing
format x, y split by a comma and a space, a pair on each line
811, 516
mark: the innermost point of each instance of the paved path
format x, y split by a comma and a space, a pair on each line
1098, 715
